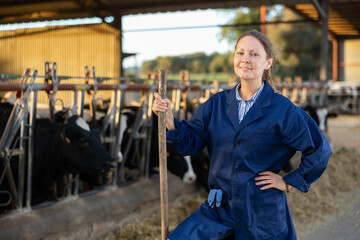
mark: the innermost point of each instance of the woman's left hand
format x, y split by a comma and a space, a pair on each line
270, 180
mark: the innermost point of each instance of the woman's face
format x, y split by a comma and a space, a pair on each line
250, 59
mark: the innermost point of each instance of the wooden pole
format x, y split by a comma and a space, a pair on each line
162, 160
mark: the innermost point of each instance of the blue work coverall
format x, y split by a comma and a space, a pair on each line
267, 137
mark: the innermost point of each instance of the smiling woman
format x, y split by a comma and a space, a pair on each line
259, 131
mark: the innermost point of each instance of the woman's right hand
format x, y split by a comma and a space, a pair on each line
164, 105
160, 104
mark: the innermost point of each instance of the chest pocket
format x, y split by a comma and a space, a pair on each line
267, 137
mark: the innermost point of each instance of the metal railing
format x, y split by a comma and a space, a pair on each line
24, 117
185, 97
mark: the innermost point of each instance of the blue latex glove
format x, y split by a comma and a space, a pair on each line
211, 197
215, 197
219, 194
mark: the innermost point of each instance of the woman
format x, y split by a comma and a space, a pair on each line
250, 132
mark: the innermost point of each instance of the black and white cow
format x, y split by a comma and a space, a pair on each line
72, 147
320, 116
67, 146
176, 163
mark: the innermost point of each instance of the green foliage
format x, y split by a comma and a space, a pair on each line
202, 78
244, 15
194, 63
301, 47
149, 66
221, 63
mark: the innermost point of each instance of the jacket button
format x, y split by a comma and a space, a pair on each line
238, 224
236, 171
237, 144
236, 198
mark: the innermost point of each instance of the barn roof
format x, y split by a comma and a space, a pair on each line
344, 17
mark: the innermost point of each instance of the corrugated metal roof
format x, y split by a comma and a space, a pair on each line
344, 14
23, 11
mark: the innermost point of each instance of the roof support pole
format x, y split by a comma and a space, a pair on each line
335, 60
341, 73
118, 25
324, 42
319, 8
263, 19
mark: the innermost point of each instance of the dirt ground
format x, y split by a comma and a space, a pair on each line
330, 210
345, 130
340, 216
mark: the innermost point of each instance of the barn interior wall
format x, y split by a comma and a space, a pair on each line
72, 48
351, 60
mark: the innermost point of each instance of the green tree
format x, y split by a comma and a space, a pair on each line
221, 63
300, 47
164, 63
299, 42
195, 63
148, 66
243, 15
197, 67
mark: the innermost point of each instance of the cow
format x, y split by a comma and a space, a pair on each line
191, 168
177, 164
67, 145
101, 127
72, 147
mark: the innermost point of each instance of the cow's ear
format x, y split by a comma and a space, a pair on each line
61, 116
65, 114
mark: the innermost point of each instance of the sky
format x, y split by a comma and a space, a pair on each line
150, 44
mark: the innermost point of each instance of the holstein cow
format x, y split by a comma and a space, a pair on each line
102, 128
188, 168
67, 146
72, 147
176, 163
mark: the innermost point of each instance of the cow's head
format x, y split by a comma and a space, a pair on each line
180, 165
82, 148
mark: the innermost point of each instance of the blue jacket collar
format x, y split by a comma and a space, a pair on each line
255, 111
